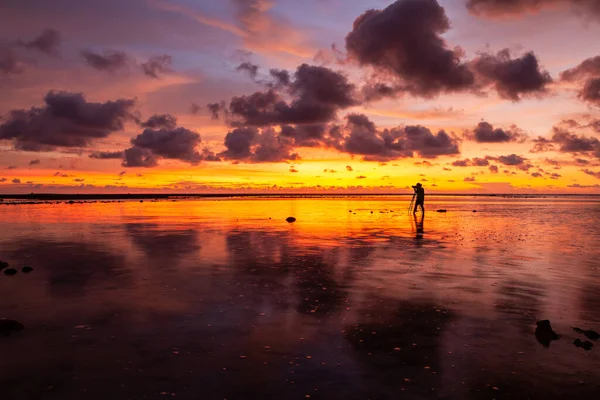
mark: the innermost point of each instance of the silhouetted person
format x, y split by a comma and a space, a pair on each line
420, 193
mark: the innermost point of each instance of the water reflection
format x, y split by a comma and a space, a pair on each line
214, 299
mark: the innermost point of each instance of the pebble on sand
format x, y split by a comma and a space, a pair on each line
441, 211
587, 345
3, 264
8, 326
544, 333
27, 269
10, 271
290, 219
590, 334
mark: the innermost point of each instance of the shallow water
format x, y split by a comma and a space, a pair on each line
223, 299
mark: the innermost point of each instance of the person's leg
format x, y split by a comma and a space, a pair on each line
415, 210
423, 208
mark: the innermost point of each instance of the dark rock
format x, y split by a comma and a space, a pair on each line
8, 326
349, 210
3, 264
371, 212
10, 271
544, 333
27, 269
590, 334
71, 202
141, 201
474, 210
587, 345
441, 211
290, 219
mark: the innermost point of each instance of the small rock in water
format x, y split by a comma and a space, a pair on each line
290, 219
474, 210
10, 271
544, 333
141, 201
590, 334
27, 269
441, 211
3, 264
8, 326
587, 345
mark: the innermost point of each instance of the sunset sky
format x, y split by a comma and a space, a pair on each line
114, 96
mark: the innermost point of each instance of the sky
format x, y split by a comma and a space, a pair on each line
317, 96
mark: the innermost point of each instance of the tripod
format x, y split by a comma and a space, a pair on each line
412, 203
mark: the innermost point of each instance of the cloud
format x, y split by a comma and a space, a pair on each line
171, 143
512, 78
595, 174
138, 157
79, 180
496, 8
469, 179
404, 40
9, 63
16, 180
66, 120
555, 175
401, 142
157, 65
34, 162
537, 175
566, 142
361, 177
587, 74
3, 179
47, 42
305, 135
349, 168
106, 155
158, 121
484, 132
109, 60
249, 144
317, 94
475, 162
513, 160
493, 169
292, 169
578, 186
251, 69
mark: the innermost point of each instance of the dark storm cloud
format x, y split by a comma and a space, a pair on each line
106, 155
499, 8
595, 174
66, 120
9, 63
493, 169
484, 132
317, 94
251, 145
175, 143
251, 69
107, 61
405, 40
138, 157
47, 42
587, 74
158, 121
157, 65
462, 163
216, 109
401, 142
512, 78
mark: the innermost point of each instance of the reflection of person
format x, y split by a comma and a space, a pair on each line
420, 228
420, 193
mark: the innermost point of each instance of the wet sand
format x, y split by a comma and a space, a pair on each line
223, 299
